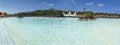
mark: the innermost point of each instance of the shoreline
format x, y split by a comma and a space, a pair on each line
82, 17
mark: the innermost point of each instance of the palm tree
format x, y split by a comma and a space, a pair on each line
84, 9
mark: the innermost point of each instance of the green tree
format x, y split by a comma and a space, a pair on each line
89, 14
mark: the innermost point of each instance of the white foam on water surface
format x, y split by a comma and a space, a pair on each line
5, 38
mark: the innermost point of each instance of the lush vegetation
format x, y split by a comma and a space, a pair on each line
59, 13
88, 14
50, 12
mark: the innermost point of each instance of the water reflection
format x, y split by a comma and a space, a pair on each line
87, 19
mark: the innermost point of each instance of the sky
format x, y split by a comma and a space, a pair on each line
15, 6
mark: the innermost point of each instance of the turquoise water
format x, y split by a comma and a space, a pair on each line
61, 31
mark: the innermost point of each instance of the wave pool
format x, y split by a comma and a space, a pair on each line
59, 31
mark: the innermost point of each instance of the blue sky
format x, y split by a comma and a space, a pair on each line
15, 6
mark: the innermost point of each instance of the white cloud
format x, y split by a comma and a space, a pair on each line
93, 4
44, 2
100, 4
90, 3
47, 4
50, 4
